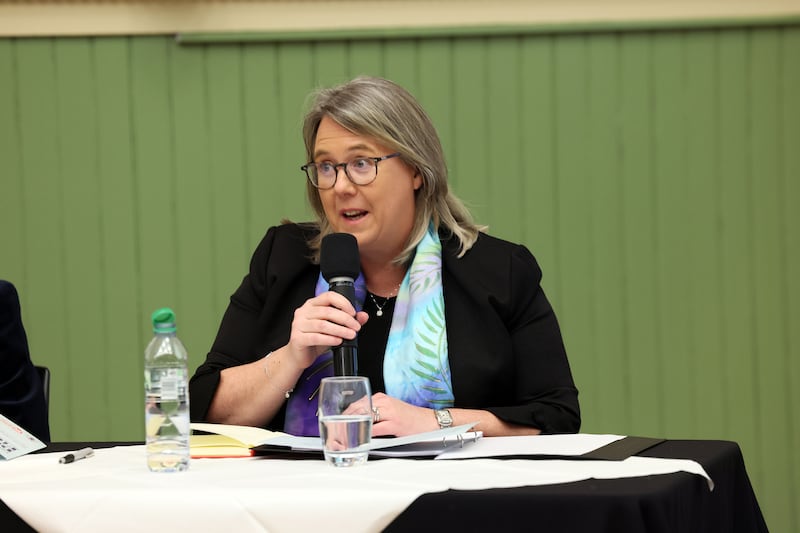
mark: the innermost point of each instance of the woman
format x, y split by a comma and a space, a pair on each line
453, 326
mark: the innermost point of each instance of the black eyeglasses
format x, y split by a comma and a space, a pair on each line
360, 171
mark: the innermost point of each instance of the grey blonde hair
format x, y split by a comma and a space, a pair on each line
384, 111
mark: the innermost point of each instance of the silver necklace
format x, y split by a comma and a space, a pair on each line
385, 301
379, 306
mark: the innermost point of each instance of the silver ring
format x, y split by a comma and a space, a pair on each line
376, 415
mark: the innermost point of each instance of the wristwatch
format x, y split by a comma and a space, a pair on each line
443, 417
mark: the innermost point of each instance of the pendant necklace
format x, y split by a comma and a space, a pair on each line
385, 301
379, 306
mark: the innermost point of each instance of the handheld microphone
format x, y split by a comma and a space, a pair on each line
340, 264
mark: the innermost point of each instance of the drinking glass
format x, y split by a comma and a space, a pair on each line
345, 419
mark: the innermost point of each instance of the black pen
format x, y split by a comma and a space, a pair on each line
76, 456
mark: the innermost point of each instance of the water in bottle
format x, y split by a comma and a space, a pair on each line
166, 397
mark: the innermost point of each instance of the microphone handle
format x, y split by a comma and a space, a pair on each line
345, 361
345, 356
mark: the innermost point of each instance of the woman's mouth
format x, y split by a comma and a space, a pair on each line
354, 214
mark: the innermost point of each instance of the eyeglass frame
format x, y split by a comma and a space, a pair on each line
344, 166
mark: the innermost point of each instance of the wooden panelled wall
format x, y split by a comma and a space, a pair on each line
654, 174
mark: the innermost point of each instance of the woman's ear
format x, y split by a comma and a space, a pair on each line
417, 181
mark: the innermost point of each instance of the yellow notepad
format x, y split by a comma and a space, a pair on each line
226, 440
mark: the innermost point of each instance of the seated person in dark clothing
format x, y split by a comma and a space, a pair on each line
453, 325
21, 395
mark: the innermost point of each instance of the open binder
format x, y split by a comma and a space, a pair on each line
223, 440
429, 444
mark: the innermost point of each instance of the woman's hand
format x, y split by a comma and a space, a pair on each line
396, 417
321, 322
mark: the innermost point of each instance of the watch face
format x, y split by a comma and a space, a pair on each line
444, 418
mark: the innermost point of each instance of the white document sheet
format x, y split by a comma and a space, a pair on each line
561, 445
15, 441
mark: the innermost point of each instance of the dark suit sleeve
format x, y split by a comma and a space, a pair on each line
505, 348
259, 316
21, 394
237, 333
543, 381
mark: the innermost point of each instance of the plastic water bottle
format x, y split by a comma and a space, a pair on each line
166, 403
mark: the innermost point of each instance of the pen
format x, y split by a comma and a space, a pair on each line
76, 456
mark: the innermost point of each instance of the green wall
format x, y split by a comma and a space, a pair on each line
655, 174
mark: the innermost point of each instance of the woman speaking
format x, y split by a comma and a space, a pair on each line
452, 324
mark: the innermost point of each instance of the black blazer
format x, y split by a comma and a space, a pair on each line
505, 348
21, 393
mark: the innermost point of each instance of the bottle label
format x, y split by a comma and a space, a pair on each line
169, 385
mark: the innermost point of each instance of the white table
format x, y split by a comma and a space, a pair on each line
114, 490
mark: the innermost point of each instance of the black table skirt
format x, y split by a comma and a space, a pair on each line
668, 503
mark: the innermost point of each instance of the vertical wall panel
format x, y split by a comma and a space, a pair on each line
263, 131
330, 63
124, 332
154, 167
295, 77
653, 174
469, 115
228, 182
11, 175
671, 211
366, 58
643, 315
575, 210
703, 217
436, 87
790, 166
197, 217
539, 186
736, 243
611, 387
43, 293
400, 64
770, 303
503, 147
83, 272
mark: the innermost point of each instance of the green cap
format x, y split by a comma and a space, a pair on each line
163, 320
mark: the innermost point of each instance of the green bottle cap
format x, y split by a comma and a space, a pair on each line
163, 320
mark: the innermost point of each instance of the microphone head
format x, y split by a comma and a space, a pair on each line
339, 256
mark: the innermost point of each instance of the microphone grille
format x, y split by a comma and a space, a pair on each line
339, 256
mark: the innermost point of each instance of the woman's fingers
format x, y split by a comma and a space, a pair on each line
398, 418
321, 322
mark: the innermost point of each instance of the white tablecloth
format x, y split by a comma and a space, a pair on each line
114, 491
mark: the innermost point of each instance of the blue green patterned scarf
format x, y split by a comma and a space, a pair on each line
416, 368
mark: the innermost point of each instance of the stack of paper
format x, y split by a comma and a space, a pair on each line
225, 440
